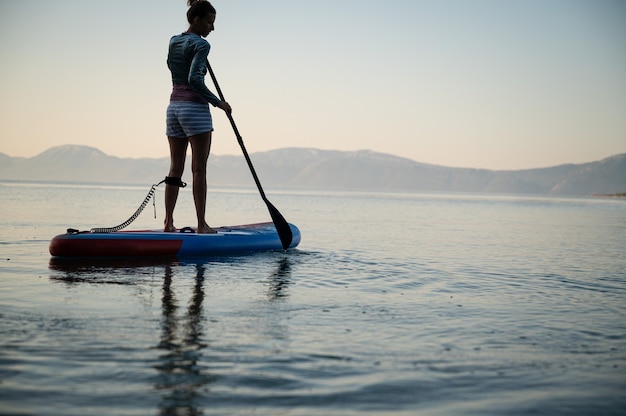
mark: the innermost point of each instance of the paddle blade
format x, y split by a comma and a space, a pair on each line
282, 226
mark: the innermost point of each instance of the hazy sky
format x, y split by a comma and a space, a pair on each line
484, 83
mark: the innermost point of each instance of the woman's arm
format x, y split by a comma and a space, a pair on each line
197, 72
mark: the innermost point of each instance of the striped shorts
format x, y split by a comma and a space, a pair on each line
185, 119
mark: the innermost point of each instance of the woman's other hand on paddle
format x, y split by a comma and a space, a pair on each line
225, 106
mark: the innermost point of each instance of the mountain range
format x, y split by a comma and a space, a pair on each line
307, 169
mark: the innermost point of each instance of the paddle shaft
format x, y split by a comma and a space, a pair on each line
282, 227
236, 130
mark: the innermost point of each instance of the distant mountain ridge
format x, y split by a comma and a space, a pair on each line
306, 168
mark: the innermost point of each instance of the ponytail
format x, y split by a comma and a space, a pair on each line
199, 8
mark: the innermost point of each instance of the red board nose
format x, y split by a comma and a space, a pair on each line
60, 246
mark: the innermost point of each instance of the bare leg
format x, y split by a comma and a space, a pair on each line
200, 149
178, 152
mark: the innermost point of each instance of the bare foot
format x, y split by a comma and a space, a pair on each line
205, 229
169, 228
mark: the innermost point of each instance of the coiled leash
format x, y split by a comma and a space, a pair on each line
169, 180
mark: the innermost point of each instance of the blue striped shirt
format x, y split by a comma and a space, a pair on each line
187, 63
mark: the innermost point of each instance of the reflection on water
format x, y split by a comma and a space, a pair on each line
183, 363
279, 281
121, 271
181, 372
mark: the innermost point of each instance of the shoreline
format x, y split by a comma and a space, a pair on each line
615, 195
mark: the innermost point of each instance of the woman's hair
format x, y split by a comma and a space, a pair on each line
199, 8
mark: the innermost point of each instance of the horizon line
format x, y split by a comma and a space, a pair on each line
317, 149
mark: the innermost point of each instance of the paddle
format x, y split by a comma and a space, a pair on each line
282, 227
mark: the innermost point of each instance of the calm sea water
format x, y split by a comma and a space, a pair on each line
393, 304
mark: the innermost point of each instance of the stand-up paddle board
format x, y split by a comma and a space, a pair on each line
157, 243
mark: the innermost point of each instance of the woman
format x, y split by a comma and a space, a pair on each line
188, 115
